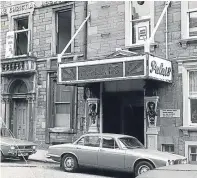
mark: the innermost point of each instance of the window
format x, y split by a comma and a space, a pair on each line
193, 154
168, 148
109, 142
63, 29
18, 40
191, 151
61, 106
21, 36
193, 96
189, 76
189, 19
93, 141
139, 21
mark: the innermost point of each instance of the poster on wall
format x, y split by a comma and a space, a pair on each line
9, 45
159, 69
142, 32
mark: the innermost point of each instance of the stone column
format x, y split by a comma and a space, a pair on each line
152, 130
92, 114
7, 112
31, 116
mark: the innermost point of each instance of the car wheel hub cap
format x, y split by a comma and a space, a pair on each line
143, 169
69, 163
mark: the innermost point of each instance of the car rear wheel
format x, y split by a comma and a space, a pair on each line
2, 157
69, 163
142, 167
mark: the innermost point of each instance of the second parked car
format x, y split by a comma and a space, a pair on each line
111, 151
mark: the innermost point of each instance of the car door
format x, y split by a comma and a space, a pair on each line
110, 155
87, 150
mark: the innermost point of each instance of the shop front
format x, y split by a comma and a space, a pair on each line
120, 93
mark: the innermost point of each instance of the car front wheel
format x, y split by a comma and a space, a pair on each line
142, 167
69, 163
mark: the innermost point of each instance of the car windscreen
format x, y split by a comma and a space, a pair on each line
131, 143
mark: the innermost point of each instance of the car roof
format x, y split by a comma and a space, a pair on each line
108, 135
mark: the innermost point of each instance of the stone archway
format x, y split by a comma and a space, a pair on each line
19, 109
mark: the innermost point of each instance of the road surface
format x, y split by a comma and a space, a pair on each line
31, 169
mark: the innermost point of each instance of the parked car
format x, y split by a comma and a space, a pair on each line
11, 147
172, 171
111, 151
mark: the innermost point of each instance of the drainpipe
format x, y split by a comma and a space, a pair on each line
86, 31
167, 34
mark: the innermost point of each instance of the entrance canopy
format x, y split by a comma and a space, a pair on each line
124, 68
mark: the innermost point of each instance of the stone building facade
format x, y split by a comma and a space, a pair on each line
50, 102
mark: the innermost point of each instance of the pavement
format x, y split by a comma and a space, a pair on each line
40, 156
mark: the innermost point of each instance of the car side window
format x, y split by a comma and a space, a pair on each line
81, 141
109, 142
93, 141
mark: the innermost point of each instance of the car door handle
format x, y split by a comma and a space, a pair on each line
78, 148
102, 150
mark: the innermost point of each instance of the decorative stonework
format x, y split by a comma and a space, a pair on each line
18, 66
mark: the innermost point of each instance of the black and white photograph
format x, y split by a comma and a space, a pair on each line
98, 89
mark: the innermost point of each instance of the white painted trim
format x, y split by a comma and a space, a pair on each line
185, 68
187, 144
103, 61
128, 22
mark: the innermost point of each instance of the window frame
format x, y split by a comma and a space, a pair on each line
69, 6
89, 145
128, 23
185, 20
188, 145
186, 68
114, 141
52, 102
13, 19
163, 148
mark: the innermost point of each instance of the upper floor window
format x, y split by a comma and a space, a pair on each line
189, 19
63, 29
18, 40
138, 21
21, 36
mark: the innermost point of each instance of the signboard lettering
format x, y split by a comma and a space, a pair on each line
160, 69
9, 45
170, 113
17, 8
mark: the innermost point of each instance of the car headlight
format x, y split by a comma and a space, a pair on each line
170, 162
184, 161
34, 147
12, 147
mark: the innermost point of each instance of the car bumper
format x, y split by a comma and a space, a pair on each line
53, 157
19, 153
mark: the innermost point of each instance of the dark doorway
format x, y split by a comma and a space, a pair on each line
123, 113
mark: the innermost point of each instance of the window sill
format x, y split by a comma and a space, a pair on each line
138, 46
184, 42
187, 129
61, 130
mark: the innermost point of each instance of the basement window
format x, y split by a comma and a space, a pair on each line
21, 36
63, 29
168, 148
